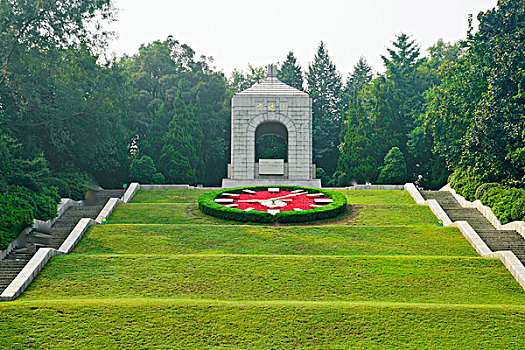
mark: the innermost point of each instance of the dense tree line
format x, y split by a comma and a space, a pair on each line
70, 115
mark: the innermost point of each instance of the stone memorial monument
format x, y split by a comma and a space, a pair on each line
271, 108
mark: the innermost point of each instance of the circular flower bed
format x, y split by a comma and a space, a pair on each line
285, 204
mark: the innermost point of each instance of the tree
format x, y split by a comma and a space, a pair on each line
290, 72
394, 171
46, 24
142, 169
476, 114
325, 89
161, 72
356, 158
240, 81
361, 76
181, 161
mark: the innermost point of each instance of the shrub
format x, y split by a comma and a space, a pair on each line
64, 191
465, 183
46, 204
142, 169
482, 189
394, 170
208, 206
323, 176
501, 200
339, 179
17, 214
77, 182
518, 211
158, 178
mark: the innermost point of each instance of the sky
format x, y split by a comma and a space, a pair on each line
237, 33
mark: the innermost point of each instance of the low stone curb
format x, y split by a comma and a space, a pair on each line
518, 226
412, 190
108, 209
75, 235
509, 260
130, 192
28, 273
165, 187
473, 238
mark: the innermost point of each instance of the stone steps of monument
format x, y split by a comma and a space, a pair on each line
496, 240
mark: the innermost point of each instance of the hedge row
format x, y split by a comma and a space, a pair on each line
506, 202
208, 206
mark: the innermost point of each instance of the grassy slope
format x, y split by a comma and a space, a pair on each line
188, 282
163, 324
255, 277
249, 239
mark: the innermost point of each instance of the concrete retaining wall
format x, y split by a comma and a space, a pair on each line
108, 209
28, 273
75, 235
130, 192
511, 262
165, 187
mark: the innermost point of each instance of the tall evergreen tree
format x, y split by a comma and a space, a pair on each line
181, 160
291, 73
356, 160
325, 89
361, 76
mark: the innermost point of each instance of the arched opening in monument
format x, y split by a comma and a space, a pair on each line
271, 141
271, 149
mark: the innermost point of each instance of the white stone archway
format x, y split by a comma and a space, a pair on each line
271, 101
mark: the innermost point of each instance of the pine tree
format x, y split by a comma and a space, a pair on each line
290, 72
356, 161
181, 160
325, 89
361, 76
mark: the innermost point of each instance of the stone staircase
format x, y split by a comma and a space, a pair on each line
12, 264
495, 239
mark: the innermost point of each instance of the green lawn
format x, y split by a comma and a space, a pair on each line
249, 239
162, 275
167, 324
161, 213
168, 196
378, 197
250, 277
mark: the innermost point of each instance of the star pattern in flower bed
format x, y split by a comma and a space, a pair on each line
273, 200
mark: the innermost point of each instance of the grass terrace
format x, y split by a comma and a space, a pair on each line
163, 275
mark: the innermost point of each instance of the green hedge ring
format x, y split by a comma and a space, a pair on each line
208, 206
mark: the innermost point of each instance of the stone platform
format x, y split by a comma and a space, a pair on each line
229, 183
